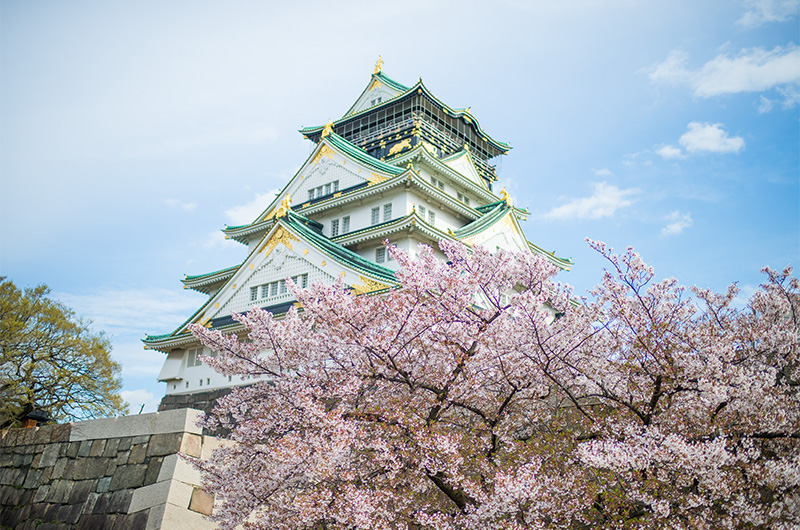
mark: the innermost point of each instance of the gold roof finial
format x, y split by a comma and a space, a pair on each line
328, 129
378, 66
504, 196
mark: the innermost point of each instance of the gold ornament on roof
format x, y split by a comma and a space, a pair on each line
328, 129
504, 196
378, 65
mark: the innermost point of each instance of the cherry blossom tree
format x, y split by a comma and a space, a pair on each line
482, 395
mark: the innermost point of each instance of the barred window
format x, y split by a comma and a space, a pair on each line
376, 215
334, 228
253, 294
387, 212
380, 255
431, 217
345, 224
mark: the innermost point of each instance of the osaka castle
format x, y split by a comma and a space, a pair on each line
399, 166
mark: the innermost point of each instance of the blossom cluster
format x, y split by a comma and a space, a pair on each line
481, 394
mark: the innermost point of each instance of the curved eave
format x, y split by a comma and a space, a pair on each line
562, 263
420, 153
205, 282
464, 114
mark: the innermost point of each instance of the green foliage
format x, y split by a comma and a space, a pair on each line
51, 361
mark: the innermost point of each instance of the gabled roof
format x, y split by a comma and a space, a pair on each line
378, 78
419, 87
331, 142
420, 152
298, 228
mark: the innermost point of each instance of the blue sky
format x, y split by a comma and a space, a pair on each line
131, 132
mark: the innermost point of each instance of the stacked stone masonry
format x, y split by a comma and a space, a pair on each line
115, 473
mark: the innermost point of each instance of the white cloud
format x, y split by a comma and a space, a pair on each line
603, 172
214, 239
764, 11
180, 205
670, 151
765, 105
752, 70
678, 222
137, 398
247, 213
604, 202
709, 137
132, 311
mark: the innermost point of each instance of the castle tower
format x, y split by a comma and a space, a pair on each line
401, 166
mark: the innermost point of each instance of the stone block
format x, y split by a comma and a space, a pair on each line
111, 468
80, 491
72, 450
70, 513
91, 500
46, 473
165, 444
130, 476
182, 420
138, 454
51, 513
134, 521
179, 518
149, 496
41, 493
42, 435
124, 443
111, 449
49, 455
201, 502
60, 467
98, 446
32, 479
60, 491
210, 443
122, 457
153, 469
177, 468
25, 436
89, 468
60, 433
85, 448
101, 503
192, 445
120, 501
90, 522
103, 484
142, 439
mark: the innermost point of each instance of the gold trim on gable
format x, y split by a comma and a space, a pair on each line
368, 285
280, 236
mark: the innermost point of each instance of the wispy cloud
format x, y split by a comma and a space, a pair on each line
604, 202
247, 213
670, 151
677, 223
132, 311
761, 12
602, 172
752, 70
180, 205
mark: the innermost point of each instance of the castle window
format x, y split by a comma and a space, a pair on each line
421, 211
376, 215
253, 294
438, 183
380, 255
345, 224
192, 357
387, 212
334, 228
431, 217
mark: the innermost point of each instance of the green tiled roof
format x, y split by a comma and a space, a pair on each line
391, 82
347, 257
189, 278
360, 155
491, 214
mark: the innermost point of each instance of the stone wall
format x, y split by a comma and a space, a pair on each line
114, 473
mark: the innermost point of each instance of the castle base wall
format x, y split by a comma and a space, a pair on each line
114, 473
